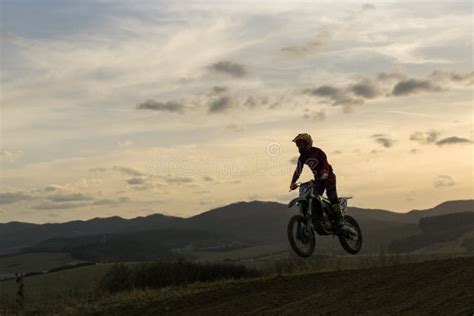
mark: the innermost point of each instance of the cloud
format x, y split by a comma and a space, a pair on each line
308, 48
354, 94
221, 104
103, 73
12, 197
98, 169
366, 89
428, 137
443, 181
411, 86
218, 89
135, 181
203, 192
128, 171
178, 180
383, 140
393, 75
254, 101
229, 68
235, 127
185, 50
325, 91
10, 37
432, 137
170, 106
463, 77
439, 75
51, 188
105, 202
58, 206
368, 6
453, 140
315, 115
250, 102
68, 197
125, 143
10, 156
141, 187
337, 96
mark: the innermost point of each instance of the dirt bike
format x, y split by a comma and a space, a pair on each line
316, 215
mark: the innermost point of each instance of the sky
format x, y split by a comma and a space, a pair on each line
177, 107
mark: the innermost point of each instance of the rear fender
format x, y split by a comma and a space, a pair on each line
343, 202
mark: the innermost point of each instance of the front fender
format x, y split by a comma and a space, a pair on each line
293, 202
298, 199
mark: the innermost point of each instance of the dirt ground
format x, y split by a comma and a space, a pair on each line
443, 287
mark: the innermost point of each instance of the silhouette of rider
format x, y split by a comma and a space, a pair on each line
324, 177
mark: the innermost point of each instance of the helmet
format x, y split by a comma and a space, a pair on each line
304, 142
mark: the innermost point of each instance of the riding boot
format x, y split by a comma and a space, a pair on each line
338, 214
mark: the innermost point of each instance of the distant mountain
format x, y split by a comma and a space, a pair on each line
255, 222
133, 246
412, 217
15, 236
448, 207
14, 227
446, 233
242, 223
265, 222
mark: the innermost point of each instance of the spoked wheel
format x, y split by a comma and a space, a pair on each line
351, 238
301, 240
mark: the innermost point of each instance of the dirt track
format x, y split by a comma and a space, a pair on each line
444, 287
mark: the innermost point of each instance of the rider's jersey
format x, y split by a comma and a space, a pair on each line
316, 160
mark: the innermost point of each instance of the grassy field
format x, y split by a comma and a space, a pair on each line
34, 262
249, 253
280, 257
441, 287
54, 290
49, 289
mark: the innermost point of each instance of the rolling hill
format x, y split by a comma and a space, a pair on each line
240, 224
16, 236
442, 287
442, 233
413, 216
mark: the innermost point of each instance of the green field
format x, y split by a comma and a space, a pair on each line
248, 253
53, 290
34, 262
440, 286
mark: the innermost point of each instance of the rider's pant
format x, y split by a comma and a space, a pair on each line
329, 185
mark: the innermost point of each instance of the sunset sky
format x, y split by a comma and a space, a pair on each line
131, 108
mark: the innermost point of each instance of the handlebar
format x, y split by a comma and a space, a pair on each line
298, 184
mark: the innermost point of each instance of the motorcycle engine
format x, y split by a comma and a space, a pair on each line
326, 221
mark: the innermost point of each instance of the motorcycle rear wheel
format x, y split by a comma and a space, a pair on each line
298, 238
351, 244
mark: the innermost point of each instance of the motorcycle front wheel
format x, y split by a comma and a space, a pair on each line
351, 242
301, 240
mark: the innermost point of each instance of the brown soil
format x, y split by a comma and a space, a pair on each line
443, 287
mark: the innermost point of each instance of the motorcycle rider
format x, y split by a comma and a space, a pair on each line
324, 177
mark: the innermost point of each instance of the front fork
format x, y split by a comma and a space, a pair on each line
309, 215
